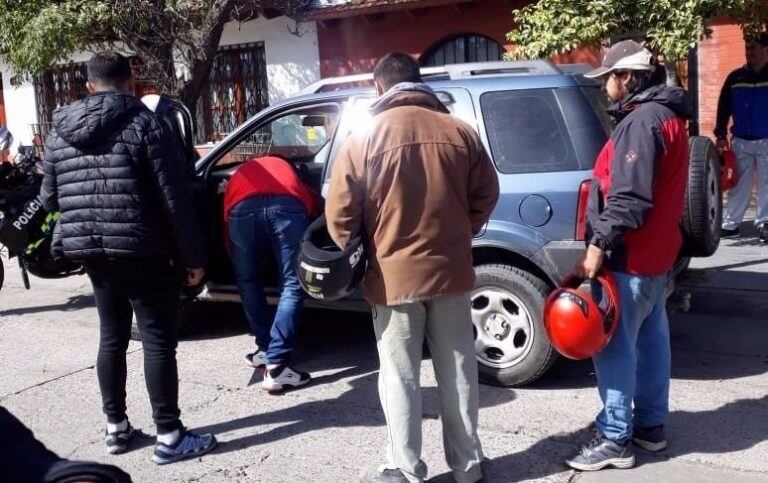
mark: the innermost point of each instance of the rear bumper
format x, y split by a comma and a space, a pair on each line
557, 258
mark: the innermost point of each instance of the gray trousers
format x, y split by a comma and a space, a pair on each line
751, 162
400, 332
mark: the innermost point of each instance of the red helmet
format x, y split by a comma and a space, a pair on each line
576, 325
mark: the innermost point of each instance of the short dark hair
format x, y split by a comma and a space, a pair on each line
395, 68
761, 38
109, 68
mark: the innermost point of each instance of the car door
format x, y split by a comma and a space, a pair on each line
301, 133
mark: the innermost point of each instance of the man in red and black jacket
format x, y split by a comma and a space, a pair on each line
633, 219
267, 207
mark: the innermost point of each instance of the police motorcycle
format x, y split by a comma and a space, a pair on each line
26, 228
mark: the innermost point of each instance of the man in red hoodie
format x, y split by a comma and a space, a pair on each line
267, 207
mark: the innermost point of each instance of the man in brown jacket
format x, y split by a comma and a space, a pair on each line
420, 184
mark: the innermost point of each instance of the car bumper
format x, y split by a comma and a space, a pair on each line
557, 258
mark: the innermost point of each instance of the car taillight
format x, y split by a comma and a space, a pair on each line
581, 210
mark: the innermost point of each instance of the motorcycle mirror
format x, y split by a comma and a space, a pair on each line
6, 139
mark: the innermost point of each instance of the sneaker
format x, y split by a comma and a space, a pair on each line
763, 233
600, 453
387, 475
189, 445
119, 441
257, 359
727, 233
652, 438
283, 377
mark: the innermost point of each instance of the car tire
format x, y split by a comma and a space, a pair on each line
703, 209
2, 274
507, 315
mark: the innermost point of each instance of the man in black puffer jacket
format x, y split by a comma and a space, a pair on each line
122, 189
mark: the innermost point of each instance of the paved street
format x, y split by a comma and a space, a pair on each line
333, 429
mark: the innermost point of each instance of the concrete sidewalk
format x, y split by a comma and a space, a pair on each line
732, 282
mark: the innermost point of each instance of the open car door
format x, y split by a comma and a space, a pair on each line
177, 121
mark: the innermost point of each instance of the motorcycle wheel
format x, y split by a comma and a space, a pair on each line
3, 256
24, 273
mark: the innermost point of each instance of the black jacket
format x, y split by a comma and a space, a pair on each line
120, 184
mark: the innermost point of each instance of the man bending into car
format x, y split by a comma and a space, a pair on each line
267, 208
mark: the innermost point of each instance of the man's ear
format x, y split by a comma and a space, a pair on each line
379, 90
625, 78
90, 86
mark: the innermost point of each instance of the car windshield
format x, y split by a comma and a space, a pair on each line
302, 136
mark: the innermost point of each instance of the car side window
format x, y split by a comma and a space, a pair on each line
301, 136
527, 133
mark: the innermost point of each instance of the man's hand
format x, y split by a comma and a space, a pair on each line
194, 276
589, 263
723, 144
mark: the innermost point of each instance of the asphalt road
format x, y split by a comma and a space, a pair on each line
334, 429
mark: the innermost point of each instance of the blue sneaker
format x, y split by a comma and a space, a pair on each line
652, 438
189, 445
119, 441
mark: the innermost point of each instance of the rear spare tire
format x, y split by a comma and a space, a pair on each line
510, 342
703, 209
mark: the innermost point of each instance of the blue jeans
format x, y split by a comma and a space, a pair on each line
635, 366
257, 225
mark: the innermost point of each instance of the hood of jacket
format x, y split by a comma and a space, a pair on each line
87, 122
408, 94
675, 98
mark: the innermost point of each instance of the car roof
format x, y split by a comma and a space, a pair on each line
544, 76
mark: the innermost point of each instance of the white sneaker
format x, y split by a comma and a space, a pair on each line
283, 377
257, 359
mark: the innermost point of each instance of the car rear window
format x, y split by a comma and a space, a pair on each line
527, 131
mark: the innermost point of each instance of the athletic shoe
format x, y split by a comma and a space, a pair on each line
727, 233
764, 233
388, 475
256, 359
283, 377
652, 438
189, 445
119, 441
600, 453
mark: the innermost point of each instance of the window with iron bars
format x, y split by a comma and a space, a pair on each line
57, 87
237, 89
462, 49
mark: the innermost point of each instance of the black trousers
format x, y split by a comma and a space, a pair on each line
150, 288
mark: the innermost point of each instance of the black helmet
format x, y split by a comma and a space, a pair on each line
326, 271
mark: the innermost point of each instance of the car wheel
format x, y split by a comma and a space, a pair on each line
510, 342
703, 209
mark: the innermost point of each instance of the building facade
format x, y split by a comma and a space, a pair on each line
268, 59
261, 61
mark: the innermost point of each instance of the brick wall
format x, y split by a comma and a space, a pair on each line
718, 56
352, 45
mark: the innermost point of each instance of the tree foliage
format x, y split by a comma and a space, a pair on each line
169, 36
672, 26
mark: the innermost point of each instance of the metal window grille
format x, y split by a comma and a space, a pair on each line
463, 49
57, 87
237, 89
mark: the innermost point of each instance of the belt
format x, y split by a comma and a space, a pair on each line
751, 138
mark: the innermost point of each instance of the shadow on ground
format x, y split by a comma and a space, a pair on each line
76, 302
